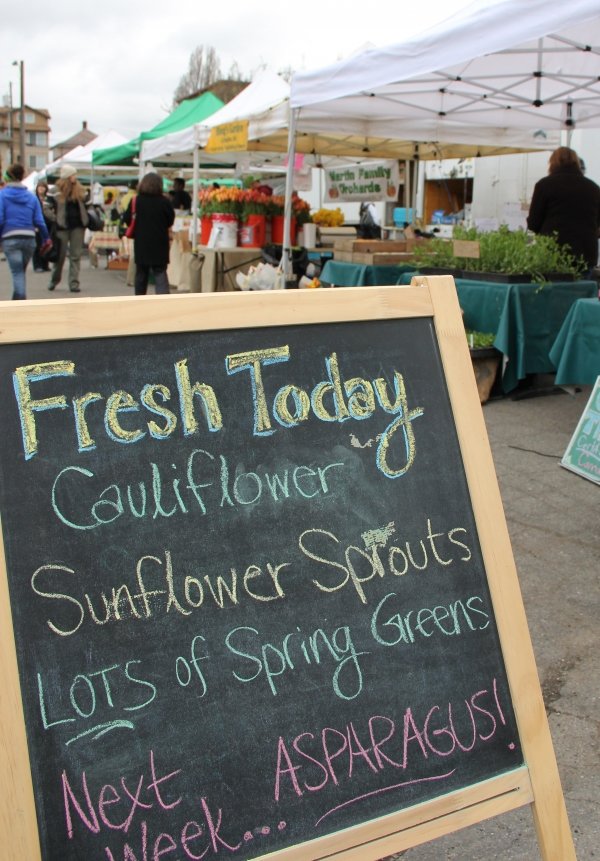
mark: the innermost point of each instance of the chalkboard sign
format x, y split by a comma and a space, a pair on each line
583, 452
250, 604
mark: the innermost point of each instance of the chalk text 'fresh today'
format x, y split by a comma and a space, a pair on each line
188, 406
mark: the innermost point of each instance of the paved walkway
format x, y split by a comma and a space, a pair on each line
94, 282
554, 521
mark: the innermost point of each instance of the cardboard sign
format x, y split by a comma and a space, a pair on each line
465, 248
583, 452
260, 582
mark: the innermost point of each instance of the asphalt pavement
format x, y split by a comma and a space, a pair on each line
553, 518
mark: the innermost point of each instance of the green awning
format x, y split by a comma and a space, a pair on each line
188, 112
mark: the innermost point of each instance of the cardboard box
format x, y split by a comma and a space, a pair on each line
376, 258
382, 258
329, 235
370, 246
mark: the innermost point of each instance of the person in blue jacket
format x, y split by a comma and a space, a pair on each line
20, 215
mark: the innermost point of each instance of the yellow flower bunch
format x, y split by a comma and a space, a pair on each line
328, 217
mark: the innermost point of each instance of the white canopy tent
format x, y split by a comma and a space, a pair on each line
264, 101
524, 70
265, 106
81, 156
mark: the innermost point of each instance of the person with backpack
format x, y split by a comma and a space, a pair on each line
20, 217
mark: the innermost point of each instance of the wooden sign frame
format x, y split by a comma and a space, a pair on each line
537, 783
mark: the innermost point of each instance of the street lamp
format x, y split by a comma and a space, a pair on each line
21, 66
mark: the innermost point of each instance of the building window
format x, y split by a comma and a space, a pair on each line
29, 117
37, 161
37, 139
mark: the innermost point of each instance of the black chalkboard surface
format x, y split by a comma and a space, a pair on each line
249, 601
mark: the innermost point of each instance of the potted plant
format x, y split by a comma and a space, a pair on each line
510, 256
486, 361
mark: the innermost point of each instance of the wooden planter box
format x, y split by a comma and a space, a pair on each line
486, 365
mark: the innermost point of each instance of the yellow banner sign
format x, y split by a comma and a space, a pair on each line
229, 137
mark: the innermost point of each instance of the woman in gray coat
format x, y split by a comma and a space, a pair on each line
71, 221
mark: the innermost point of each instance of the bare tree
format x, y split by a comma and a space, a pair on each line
204, 69
235, 73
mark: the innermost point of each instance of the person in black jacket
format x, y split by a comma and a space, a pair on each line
180, 198
567, 204
154, 215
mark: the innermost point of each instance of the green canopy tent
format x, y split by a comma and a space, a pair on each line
188, 112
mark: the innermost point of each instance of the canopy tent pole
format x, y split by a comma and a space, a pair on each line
286, 251
196, 173
407, 194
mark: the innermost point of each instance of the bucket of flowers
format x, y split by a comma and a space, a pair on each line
254, 210
226, 205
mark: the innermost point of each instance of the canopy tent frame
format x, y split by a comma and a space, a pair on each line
498, 67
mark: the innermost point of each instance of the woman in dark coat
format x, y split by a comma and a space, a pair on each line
154, 215
566, 203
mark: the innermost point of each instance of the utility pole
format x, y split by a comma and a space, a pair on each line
21, 65
10, 124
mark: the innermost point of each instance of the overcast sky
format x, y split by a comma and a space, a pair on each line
117, 64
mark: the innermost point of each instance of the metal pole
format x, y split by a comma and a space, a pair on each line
10, 123
195, 185
286, 251
21, 66
22, 120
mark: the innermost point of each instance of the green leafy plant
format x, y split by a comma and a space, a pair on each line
503, 250
480, 340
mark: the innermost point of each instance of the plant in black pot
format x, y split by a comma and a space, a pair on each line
509, 256
486, 362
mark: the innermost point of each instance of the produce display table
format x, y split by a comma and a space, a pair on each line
221, 265
342, 274
105, 241
525, 318
576, 350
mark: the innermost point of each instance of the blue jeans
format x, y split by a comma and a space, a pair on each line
18, 251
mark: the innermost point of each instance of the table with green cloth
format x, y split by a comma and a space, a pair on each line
576, 351
525, 318
341, 274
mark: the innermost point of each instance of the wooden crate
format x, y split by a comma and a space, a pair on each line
120, 263
370, 246
377, 258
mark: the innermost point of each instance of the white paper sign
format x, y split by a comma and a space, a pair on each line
365, 181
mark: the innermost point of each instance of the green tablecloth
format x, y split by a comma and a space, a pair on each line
576, 350
525, 317
343, 274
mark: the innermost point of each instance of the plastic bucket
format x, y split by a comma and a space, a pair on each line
277, 230
309, 231
224, 233
205, 229
253, 232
